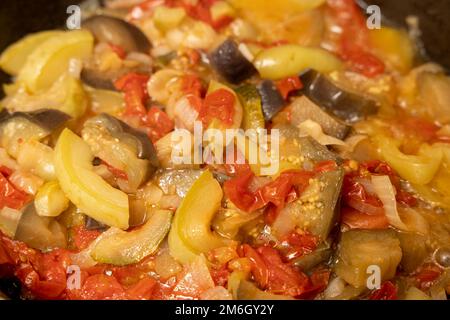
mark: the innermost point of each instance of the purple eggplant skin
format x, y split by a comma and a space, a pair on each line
92, 224
120, 129
346, 106
97, 79
230, 63
271, 99
11, 287
307, 262
48, 119
117, 32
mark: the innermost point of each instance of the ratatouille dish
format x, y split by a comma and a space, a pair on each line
93, 204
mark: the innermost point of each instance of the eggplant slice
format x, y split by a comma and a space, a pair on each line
346, 106
117, 32
271, 99
47, 119
230, 63
123, 147
122, 131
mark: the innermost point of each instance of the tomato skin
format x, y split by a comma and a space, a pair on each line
159, 124
134, 86
143, 290
191, 84
288, 85
419, 129
325, 166
362, 210
283, 278
218, 104
284, 189
99, 287
275, 192
426, 275
356, 197
295, 245
117, 173
355, 219
83, 237
354, 43
364, 63
259, 269
318, 282
220, 276
381, 167
388, 291
43, 274
155, 122
272, 274
103, 287
10, 196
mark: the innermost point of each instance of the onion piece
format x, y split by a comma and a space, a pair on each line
83, 258
216, 293
314, 130
25, 181
75, 67
166, 266
9, 221
7, 161
335, 288
351, 143
196, 278
386, 192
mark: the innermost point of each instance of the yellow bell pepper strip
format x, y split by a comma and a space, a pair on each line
393, 47
191, 228
15, 56
289, 60
88, 191
51, 59
418, 169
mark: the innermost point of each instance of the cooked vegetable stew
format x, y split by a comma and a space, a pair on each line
359, 207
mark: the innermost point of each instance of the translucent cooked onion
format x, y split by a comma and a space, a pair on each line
170, 202
9, 220
314, 130
7, 161
386, 192
335, 288
216, 293
178, 181
37, 158
25, 181
166, 266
